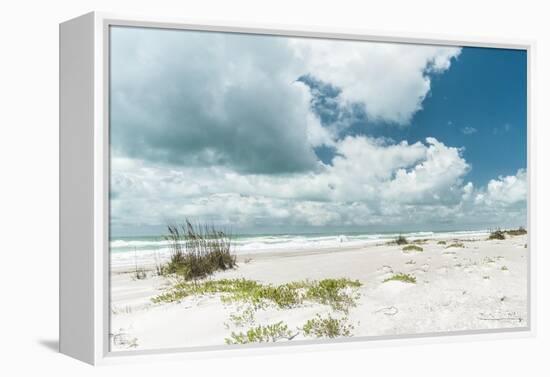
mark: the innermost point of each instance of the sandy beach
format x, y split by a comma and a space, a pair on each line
474, 285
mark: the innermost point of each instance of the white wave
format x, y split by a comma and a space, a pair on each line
126, 253
139, 243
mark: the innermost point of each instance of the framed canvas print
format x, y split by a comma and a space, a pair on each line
227, 189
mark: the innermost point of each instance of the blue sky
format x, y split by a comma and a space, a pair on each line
270, 133
479, 104
484, 90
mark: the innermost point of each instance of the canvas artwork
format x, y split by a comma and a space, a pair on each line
277, 189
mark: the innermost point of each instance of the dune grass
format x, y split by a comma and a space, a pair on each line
412, 248
497, 235
327, 327
401, 240
318, 327
250, 296
421, 241
339, 294
197, 251
455, 244
406, 278
516, 232
441, 242
261, 334
138, 273
183, 289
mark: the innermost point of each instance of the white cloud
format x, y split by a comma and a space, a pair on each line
467, 191
227, 134
390, 79
371, 183
468, 130
509, 189
194, 98
437, 179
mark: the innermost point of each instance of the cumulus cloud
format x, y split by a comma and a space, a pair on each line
224, 128
437, 179
506, 190
196, 98
390, 79
371, 182
396, 185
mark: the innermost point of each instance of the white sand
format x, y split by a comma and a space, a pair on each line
480, 286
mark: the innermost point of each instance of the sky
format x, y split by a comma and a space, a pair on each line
268, 134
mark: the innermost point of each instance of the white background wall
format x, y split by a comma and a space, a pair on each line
29, 182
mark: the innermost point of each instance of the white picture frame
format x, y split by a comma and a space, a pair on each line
84, 203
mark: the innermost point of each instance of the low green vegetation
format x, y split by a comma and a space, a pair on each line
406, 278
504, 268
183, 289
412, 248
140, 274
401, 240
333, 292
516, 232
261, 334
422, 241
251, 296
441, 242
340, 294
327, 327
197, 251
243, 316
318, 327
455, 244
497, 235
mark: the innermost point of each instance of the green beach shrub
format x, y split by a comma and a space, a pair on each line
497, 235
182, 289
340, 294
197, 251
401, 240
516, 232
243, 316
262, 334
455, 244
422, 241
140, 274
406, 278
327, 327
334, 292
412, 248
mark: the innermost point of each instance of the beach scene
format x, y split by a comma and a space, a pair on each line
272, 189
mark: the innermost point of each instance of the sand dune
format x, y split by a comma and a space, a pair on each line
482, 285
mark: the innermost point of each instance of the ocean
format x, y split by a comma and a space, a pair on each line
128, 251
